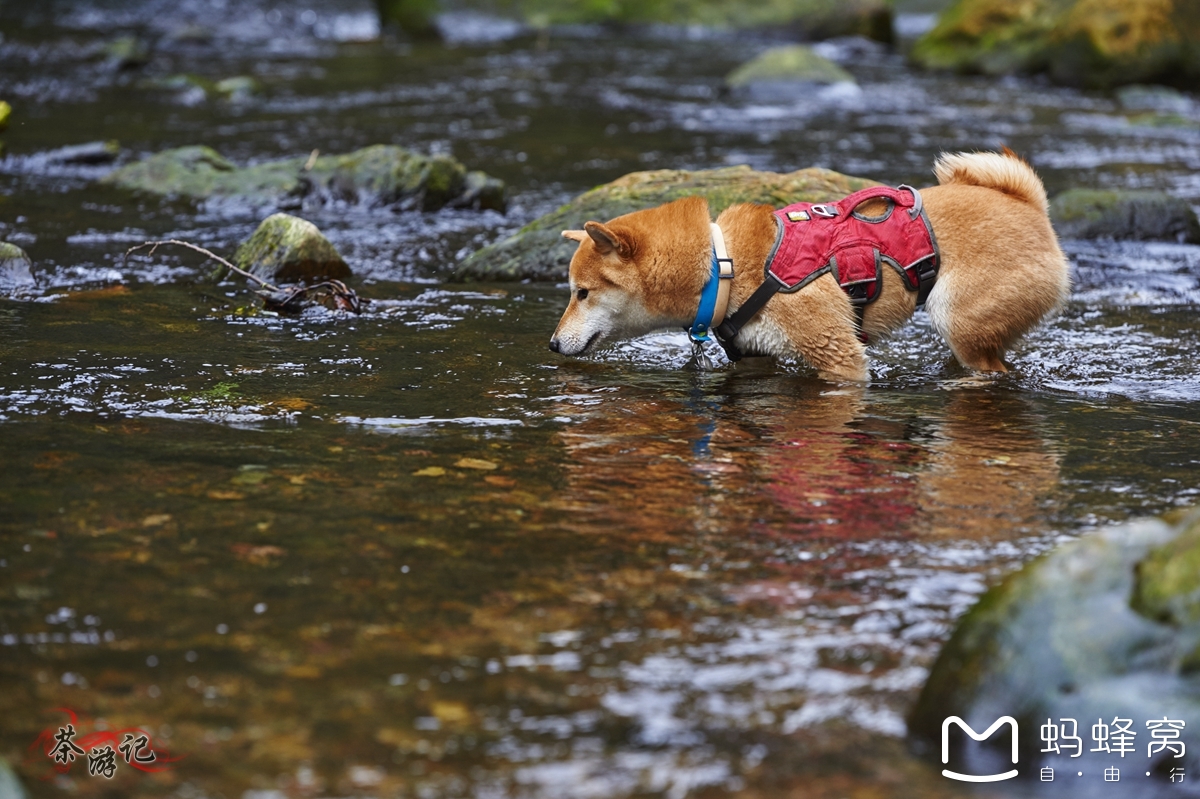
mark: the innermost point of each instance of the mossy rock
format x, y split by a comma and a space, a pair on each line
1137, 215
5, 113
378, 175
1094, 43
1079, 634
15, 269
785, 71
288, 249
538, 251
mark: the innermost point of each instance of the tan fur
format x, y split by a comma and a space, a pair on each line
1002, 272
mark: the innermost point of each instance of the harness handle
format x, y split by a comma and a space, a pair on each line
904, 196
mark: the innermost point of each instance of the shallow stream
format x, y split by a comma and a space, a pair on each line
413, 552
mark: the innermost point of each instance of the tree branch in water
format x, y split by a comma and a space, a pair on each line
290, 299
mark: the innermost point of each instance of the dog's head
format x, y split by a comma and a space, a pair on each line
623, 276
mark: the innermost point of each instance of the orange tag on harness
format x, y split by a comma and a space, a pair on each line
798, 216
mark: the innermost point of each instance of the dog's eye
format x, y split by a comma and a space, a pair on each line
581, 294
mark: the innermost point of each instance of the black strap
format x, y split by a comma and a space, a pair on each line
727, 331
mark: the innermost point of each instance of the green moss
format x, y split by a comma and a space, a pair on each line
538, 251
5, 113
288, 249
378, 175
1096, 43
1167, 585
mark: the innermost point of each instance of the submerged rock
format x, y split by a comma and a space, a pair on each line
539, 252
15, 268
1138, 215
785, 71
1095, 43
192, 89
1103, 627
378, 175
287, 249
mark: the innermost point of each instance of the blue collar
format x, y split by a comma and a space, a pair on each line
722, 269
708, 303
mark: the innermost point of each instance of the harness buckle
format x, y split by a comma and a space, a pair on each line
827, 211
927, 273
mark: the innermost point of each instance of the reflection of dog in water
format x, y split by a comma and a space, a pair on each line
990, 270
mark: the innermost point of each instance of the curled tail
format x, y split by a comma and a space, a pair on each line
1005, 172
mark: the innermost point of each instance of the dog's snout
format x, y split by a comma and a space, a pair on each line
554, 345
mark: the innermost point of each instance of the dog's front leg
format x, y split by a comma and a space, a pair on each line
819, 324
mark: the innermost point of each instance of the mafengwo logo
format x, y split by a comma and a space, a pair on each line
1000, 722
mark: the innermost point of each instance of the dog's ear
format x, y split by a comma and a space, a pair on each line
575, 235
607, 240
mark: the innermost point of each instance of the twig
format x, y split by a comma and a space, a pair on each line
293, 298
154, 245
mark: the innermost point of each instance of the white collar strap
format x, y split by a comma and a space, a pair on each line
724, 273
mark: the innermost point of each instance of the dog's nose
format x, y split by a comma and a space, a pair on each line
554, 345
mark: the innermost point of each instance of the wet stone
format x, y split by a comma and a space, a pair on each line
785, 72
538, 251
288, 249
1135, 215
15, 268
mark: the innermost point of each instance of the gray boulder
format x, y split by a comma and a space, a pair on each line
785, 72
1103, 628
538, 251
1138, 215
287, 249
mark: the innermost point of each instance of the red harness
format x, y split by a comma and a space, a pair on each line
819, 238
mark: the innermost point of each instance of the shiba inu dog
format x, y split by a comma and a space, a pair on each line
993, 272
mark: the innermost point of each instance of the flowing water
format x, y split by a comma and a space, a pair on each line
412, 553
